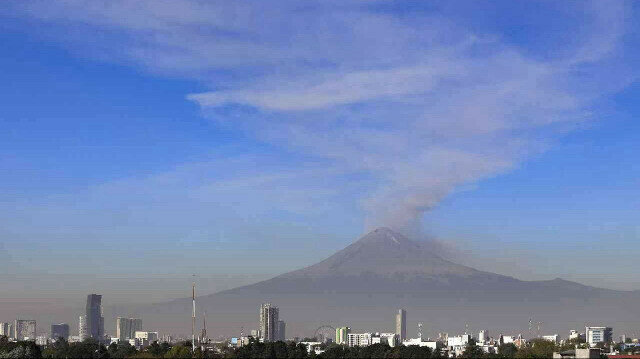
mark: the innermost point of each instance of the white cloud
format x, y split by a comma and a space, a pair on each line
415, 101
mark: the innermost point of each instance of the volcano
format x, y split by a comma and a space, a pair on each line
362, 285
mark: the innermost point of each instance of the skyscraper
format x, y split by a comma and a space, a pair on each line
94, 319
5, 329
126, 328
401, 325
269, 322
25, 329
281, 330
82, 327
60, 331
342, 335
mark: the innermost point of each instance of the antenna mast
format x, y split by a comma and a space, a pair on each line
193, 317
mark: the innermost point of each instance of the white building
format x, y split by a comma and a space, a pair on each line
148, 336
458, 344
483, 337
82, 327
42, 340
311, 346
390, 339
401, 324
574, 334
358, 340
489, 349
507, 339
6, 330
75, 339
552, 338
460, 340
595, 335
269, 322
421, 343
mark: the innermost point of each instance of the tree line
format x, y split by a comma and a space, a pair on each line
536, 348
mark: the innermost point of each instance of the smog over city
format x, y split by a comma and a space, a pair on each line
232, 179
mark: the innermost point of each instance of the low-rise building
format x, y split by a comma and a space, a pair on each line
458, 344
358, 339
144, 339
421, 343
390, 339
552, 338
596, 335
590, 353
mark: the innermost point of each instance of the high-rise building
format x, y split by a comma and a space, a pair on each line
94, 318
342, 334
24, 329
5, 329
595, 335
82, 327
269, 322
126, 328
281, 330
60, 331
401, 325
483, 337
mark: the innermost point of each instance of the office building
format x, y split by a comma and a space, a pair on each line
595, 335
143, 339
60, 331
42, 340
82, 328
24, 329
269, 322
401, 325
341, 335
126, 328
282, 330
6, 330
359, 340
483, 337
390, 339
94, 319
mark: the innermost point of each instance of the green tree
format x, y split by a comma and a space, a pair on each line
179, 351
537, 348
471, 350
508, 350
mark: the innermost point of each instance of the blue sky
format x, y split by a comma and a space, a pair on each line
253, 139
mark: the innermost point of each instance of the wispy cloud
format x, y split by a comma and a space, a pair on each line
415, 102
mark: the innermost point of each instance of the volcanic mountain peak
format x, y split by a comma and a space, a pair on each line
383, 252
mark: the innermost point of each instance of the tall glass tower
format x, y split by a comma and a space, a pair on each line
94, 319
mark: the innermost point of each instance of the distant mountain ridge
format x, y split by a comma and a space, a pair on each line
364, 283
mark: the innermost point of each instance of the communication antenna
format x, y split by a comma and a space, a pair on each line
193, 316
420, 330
204, 329
530, 326
539, 325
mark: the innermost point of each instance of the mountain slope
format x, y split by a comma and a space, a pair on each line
363, 284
